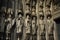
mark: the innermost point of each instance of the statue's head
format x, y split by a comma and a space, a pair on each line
9, 15
49, 16
41, 17
34, 17
47, 7
20, 14
28, 15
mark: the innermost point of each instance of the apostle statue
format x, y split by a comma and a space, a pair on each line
50, 25
42, 26
20, 25
8, 25
34, 28
28, 26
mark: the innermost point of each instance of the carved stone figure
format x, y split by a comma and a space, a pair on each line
34, 28
28, 27
50, 25
42, 27
8, 25
19, 26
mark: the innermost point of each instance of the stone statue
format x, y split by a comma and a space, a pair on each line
42, 27
19, 26
50, 25
28, 27
34, 28
8, 19
8, 25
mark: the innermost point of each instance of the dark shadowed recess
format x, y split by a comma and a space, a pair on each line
57, 20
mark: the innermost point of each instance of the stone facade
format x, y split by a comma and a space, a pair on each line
30, 20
